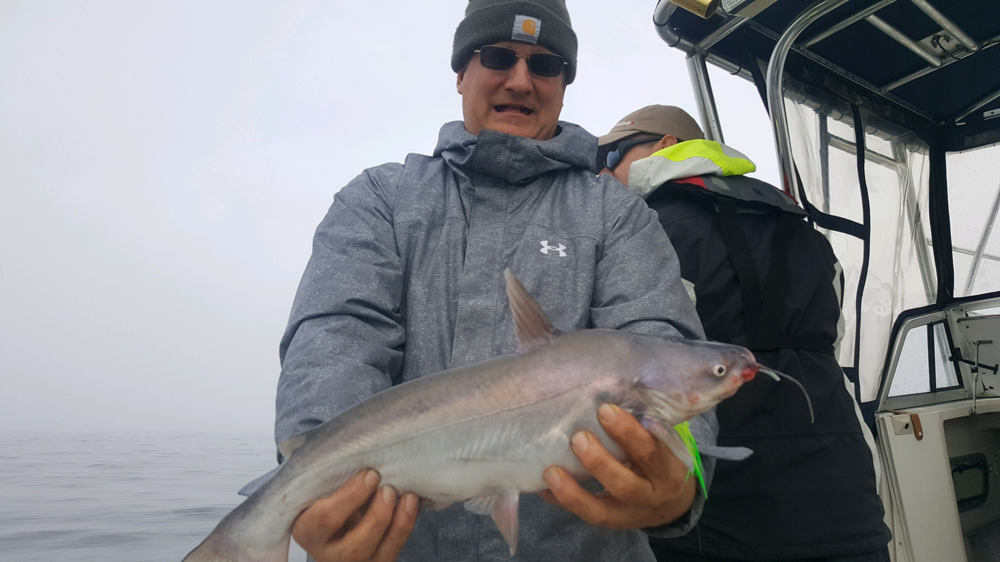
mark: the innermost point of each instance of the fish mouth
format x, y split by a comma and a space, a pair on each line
748, 372
745, 375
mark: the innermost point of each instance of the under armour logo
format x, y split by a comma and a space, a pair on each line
561, 248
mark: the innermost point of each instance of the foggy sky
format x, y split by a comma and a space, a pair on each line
164, 164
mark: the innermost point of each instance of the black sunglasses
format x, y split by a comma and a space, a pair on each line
493, 57
614, 156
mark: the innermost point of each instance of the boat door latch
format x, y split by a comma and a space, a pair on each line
906, 422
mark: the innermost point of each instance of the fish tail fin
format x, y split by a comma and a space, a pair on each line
239, 537
218, 547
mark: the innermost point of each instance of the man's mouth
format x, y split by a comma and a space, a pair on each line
513, 109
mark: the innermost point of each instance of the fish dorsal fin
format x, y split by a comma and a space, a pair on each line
533, 328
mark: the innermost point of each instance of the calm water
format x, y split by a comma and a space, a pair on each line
121, 498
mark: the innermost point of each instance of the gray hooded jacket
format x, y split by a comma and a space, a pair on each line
406, 280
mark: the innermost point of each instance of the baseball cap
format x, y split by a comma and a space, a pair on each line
655, 119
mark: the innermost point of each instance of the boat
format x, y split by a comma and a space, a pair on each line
886, 121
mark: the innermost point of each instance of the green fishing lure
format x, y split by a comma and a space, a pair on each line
699, 471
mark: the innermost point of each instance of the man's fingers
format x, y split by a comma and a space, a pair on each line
576, 499
327, 517
651, 492
643, 449
549, 497
403, 520
326, 531
661, 470
361, 542
617, 479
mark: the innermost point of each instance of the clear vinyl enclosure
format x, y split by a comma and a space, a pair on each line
899, 272
973, 198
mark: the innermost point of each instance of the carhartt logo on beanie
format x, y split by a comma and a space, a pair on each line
526, 29
540, 22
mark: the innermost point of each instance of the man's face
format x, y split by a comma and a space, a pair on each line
513, 101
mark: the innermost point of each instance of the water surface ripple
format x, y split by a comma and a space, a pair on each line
120, 498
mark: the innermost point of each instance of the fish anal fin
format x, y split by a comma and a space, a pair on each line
480, 506
503, 507
532, 326
505, 516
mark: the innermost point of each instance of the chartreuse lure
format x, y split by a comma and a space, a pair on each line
699, 471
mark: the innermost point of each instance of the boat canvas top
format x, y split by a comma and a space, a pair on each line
913, 87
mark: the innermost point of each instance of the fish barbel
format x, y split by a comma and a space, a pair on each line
484, 433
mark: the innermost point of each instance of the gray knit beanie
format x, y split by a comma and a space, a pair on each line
543, 22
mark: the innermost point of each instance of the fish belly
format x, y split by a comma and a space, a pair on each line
503, 451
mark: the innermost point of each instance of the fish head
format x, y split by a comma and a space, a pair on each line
684, 378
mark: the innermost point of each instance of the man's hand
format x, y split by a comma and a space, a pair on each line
339, 528
654, 491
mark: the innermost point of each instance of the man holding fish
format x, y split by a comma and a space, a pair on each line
405, 280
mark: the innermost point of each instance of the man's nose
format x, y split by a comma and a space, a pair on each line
519, 77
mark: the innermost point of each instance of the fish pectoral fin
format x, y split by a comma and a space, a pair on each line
669, 437
288, 446
532, 326
503, 507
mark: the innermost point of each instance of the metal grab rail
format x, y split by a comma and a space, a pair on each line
776, 102
705, 98
696, 56
846, 23
661, 19
947, 25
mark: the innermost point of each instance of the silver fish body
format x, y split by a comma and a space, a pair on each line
484, 433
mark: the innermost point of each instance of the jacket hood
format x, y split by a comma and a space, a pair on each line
684, 160
515, 160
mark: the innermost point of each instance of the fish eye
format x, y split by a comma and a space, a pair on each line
719, 370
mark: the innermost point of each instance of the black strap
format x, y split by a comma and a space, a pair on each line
941, 219
770, 336
859, 145
818, 217
734, 238
833, 222
776, 287
763, 311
